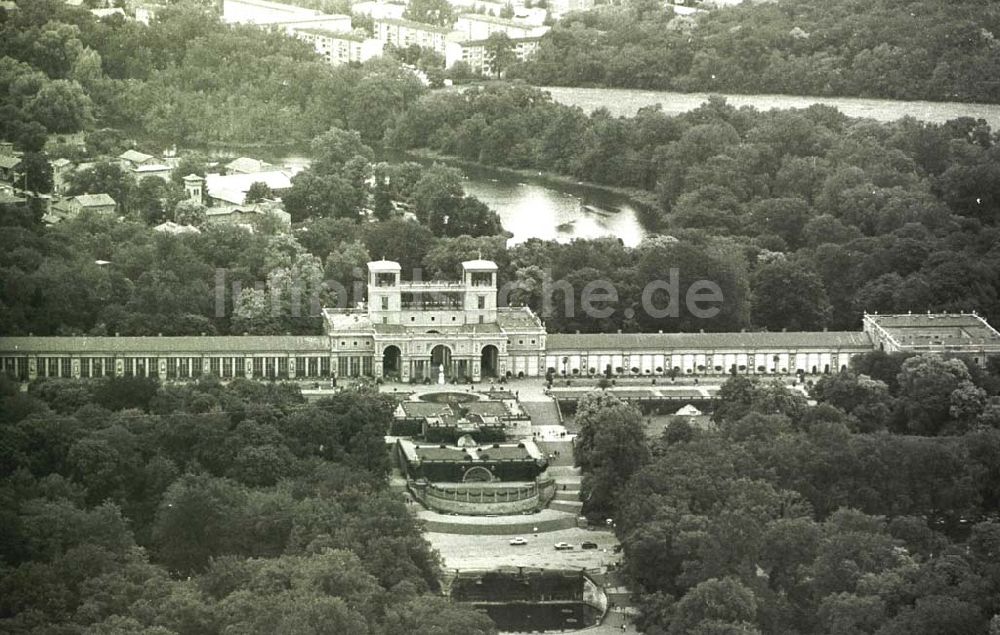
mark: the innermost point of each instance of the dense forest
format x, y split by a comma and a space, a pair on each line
899, 49
186, 80
833, 519
131, 507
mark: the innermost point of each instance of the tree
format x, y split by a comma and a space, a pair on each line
926, 386
715, 601
259, 191
438, 192
788, 296
36, 173
62, 106
334, 148
151, 199
198, 519
866, 399
499, 51
436, 616
467, 217
611, 446
345, 265
190, 212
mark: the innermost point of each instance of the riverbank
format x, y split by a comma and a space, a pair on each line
644, 201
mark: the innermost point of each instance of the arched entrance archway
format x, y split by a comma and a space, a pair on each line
440, 358
488, 361
391, 361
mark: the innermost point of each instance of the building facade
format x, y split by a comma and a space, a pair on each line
478, 26
403, 33
453, 330
341, 48
475, 53
434, 330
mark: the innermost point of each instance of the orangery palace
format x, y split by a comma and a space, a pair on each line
436, 331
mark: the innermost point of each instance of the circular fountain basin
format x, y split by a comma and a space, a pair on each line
448, 397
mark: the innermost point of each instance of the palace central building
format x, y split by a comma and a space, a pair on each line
417, 330
432, 331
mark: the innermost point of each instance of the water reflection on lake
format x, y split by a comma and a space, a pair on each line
531, 210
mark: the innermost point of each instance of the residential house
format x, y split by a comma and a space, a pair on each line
8, 198
155, 169
73, 206
99, 203
142, 165
246, 165
249, 215
131, 159
9, 166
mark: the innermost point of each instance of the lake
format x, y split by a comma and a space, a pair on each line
536, 207
625, 103
533, 210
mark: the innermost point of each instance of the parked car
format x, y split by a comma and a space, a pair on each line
589, 545
563, 546
517, 542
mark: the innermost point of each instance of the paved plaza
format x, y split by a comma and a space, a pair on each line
465, 552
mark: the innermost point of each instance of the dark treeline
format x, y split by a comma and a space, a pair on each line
780, 519
130, 507
899, 49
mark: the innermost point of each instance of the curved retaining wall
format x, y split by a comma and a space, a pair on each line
470, 500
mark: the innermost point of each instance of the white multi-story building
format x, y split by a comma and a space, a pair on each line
341, 48
284, 16
403, 33
476, 26
476, 55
